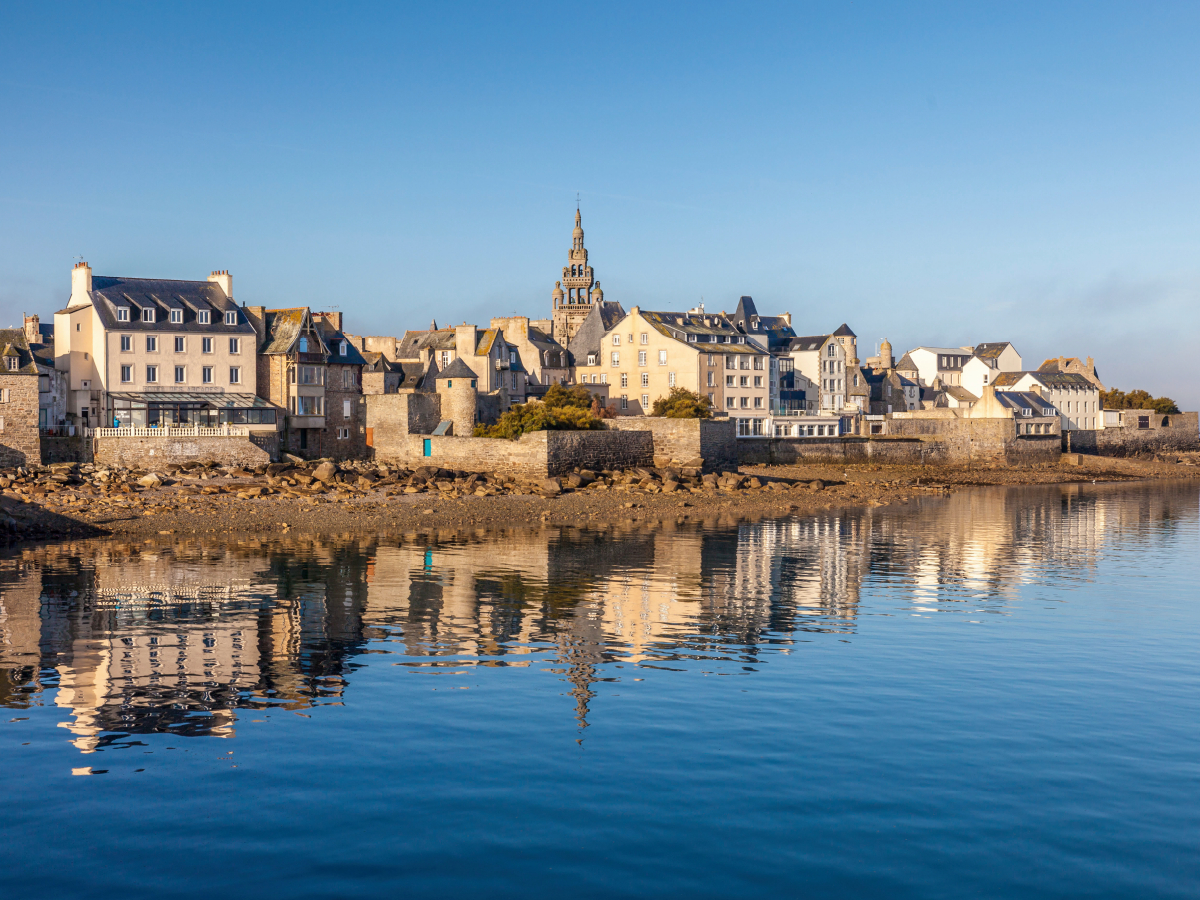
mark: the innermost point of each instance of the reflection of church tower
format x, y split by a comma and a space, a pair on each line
574, 295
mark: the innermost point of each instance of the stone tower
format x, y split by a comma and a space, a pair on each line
456, 388
574, 296
885, 354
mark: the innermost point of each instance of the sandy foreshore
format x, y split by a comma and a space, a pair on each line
70, 501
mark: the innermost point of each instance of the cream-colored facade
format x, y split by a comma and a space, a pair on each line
142, 351
646, 354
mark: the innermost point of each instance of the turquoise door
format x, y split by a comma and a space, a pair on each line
428, 447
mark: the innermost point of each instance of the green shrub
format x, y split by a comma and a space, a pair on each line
682, 404
562, 409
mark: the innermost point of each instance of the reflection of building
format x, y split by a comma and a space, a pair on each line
137, 640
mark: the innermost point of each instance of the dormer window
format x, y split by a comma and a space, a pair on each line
202, 317
303, 345
342, 349
11, 362
176, 316
122, 313
231, 317
147, 314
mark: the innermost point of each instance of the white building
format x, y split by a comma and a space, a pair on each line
1075, 397
970, 367
822, 360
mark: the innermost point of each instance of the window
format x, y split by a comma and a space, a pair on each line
1143, 422
179, 346
758, 381
624, 401
343, 348
147, 314
591, 359
712, 359
616, 357
711, 380
744, 381
345, 409
616, 340
645, 402
604, 378
730, 363
645, 338
641, 357
303, 347
691, 339
231, 317
758, 363
743, 427
206, 345
122, 313
712, 399
728, 381
126, 343
670, 379
645, 379
758, 402
235, 374
308, 406
662, 357
745, 362
206, 374
5, 395
745, 402
176, 316
312, 375
235, 345
347, 378
832, 350
856, 380
624, 379
151, 344
202, 317
151, 374
126, 374
729, 401
180, 375
343, 434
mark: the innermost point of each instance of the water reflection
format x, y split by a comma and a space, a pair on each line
131, 638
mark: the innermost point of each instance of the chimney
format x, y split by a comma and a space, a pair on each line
225, 280
258, 318
33, 333
333, 319
787, 317
464, 341
81, 283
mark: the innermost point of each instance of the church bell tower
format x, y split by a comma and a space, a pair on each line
575, 294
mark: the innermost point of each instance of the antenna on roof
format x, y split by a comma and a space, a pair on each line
577, 200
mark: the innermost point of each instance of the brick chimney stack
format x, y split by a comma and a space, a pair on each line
33, 331
225, 280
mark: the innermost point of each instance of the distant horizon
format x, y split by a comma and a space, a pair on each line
935, 174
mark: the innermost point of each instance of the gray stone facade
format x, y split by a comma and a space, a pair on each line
151, 452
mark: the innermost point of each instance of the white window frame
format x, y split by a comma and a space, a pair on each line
203, 317
127, 374
616, 357
206, 345
176, 316
645, 402
127, 343
235, 374
235, 345
641, 357
122, 313
231, 317
181, 375
206, 375
180, 345
151, 374
148, 314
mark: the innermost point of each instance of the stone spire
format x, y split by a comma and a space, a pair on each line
573, 296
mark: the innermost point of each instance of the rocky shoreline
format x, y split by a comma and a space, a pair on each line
322, 497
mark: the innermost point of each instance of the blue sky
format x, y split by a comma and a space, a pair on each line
930, 173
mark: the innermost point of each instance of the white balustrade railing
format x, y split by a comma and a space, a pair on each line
172, 431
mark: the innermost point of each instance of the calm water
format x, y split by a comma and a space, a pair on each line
995, 694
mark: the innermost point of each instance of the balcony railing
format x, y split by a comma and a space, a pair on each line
171, 431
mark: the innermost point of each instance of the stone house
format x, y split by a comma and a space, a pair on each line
21, 376
1073, 365
772, 333
649, 353
311, 370
1075, 397
970, 367
485, 351
1031, 411
148, 352
536, 359
52, 384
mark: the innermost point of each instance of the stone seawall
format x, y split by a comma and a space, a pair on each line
931, 442
598, 450
1141, 431
151, 452
682, 440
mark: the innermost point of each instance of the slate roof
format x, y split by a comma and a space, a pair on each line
681, 326
602, 318
808, 343
1021, 400
775, 328
958, 392
284, 327
456, 369
413, 342
1048, 379
13, 343
844, 331
415, 375
906, 363
991, 351
552, 353
333, 339
374, 361
487, 340
162, 295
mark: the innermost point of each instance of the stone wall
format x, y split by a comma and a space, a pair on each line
713, 440
20, 442
567, 450
920, 441
392, 418
152, 452
60, 449
1175, 433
